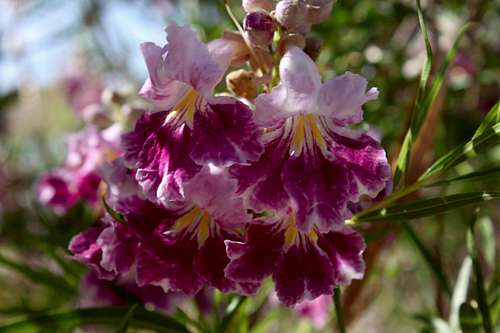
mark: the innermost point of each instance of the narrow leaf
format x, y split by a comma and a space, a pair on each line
427, 207
337, 301
123, 327
113, 213
231, 311
142, 319
429, 258
480, 283
491, 119
487, 138
460, 293
475, 176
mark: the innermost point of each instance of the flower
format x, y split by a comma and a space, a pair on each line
180, 250
78, 178
191, 128
313, 163
313, 169
316, 311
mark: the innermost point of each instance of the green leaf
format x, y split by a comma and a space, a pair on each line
114, 214
142, 319
337, 301
231, 310
39, 276
487, 137
470, 318
480, 283
491, 119
124, 325
429, 258
486, 236
426, 207
460, 293
476, 175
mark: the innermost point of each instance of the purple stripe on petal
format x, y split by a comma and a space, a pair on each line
257, 257
224, 133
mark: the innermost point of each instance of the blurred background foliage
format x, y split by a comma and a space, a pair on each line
379, 39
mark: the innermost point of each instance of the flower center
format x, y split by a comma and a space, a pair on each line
306, 133
196, 221
294, 236
184, 110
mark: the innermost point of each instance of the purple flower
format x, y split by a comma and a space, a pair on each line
316, 310
181, 250
192, 128
78, 178
302, 265
313, 163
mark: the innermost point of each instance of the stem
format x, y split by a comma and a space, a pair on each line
338, 310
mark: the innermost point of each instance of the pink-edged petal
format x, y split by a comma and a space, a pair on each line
316, 310
188, 60
224, 133
53, 191
119, 249
300, 84
224, 51
214, 191
164, 164
159, 87
262, 179
342, 98
345, 250
365, 162
305, 272
256, 258
319, 190
85, 249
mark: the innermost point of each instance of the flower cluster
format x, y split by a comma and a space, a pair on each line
223, 191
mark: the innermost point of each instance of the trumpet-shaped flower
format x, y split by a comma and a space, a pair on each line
192, 127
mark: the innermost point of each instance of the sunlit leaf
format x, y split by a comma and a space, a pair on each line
460, 293
427, 207
472, 176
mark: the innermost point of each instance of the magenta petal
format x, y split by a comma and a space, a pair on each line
225, 133
170, 264
53, 191
164, 164
304, 272
85, 249
345, 250
119, 249
257, 257
365, 162
319, 191
262, 179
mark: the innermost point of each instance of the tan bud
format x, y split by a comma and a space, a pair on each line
313, 47
242, 83
291, 13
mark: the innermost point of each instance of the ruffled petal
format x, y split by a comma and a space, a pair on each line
119, 249
53, 191
164, 164
224, 133
304, 273
261, 181
85, 249
296, 94
319, 190
365, 162
345, 250
214, 191
188, 60
342, 97
159, 88
257, 257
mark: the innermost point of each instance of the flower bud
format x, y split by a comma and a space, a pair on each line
318, 10
290, 39
259, 27
291, 13
313, 47
242, 83
255, 5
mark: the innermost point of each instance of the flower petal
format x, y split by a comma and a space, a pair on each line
119, 249
159, 88
224, 133
257, 257
188, 60
342, 97
345, 250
